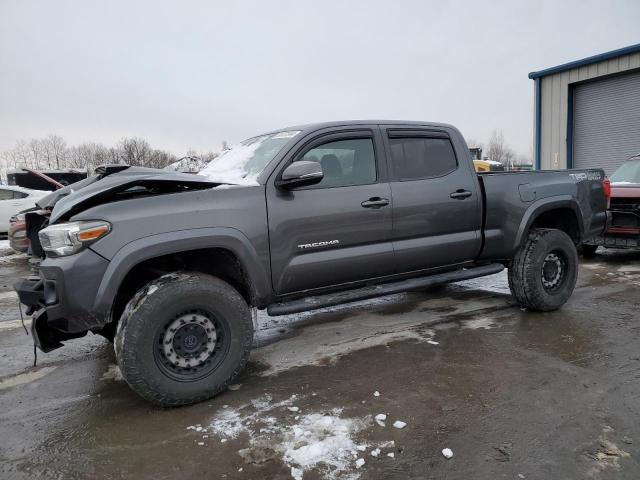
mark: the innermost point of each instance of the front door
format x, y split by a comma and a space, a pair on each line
437, 216
338, 231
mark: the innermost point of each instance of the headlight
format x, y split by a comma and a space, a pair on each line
64, 239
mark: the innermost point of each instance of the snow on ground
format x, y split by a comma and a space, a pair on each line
113, 373
7, 254
24, 378
11, 258
10, 295
325, 441
497, 283
623, 274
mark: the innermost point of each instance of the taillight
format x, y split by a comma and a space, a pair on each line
606, 185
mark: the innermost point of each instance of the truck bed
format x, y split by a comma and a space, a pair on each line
512, 196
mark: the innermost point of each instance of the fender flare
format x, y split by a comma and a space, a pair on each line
167, 243
543, 205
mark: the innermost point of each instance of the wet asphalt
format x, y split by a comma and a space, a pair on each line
513, 394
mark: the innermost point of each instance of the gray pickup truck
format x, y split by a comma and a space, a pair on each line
169, 266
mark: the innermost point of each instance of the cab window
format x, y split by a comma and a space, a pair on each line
344, 162
416, 158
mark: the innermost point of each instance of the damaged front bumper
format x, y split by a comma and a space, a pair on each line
62, 300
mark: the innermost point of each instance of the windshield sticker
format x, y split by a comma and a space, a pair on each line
289, 134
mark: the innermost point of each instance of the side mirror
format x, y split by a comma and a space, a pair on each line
300, 174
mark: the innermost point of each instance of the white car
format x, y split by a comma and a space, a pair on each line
15, 199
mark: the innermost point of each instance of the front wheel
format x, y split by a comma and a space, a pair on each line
543, 273
183, 338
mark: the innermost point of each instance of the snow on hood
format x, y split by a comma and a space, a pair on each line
231, 166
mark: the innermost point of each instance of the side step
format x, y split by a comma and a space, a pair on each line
331, 299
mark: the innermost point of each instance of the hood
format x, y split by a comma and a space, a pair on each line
130, 183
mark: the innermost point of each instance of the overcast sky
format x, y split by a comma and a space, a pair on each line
193, 73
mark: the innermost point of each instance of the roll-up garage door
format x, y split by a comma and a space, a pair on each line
606, 122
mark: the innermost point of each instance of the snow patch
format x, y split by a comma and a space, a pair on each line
11, 257
10, 295
380, 418
113, 373
152, 289
24, 378
399, 424
497, 283
485, 323
327, 440
323, 441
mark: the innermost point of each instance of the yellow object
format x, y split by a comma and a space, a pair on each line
488, 166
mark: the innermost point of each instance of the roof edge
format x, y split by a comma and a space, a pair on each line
586, 61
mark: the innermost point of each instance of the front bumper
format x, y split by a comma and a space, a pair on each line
62, 300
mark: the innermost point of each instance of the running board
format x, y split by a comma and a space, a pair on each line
332, 299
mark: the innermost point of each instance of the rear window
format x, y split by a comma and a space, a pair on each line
416, 158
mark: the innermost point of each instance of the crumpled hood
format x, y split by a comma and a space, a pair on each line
97, 189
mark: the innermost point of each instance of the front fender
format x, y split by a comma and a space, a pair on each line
153, 246
544, 205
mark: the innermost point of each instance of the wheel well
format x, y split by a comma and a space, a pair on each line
218, 262
561, 219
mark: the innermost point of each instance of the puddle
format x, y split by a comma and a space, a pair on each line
322, 343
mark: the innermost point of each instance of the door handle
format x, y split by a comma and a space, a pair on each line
460, 194
375, 202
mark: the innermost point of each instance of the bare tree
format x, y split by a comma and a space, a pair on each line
37, 154
134, 151
497, 148
56, 148
53, 152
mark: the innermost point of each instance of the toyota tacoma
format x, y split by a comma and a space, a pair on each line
170, 266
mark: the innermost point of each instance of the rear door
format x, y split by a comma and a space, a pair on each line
338, 231
437, 216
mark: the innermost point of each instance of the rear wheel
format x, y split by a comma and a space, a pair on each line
543, 274
183, 338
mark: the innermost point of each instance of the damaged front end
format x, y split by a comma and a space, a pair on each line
45, 336
67, 274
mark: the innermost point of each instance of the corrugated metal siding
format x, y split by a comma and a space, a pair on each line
555, 88
606, 122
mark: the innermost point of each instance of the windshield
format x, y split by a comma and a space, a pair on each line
241, 164
628, 172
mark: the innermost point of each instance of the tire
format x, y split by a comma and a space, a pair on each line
543, 273
183, 338
589, 251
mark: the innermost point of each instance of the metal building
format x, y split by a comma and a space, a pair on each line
587, 112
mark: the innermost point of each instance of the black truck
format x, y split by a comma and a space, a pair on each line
169, 266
